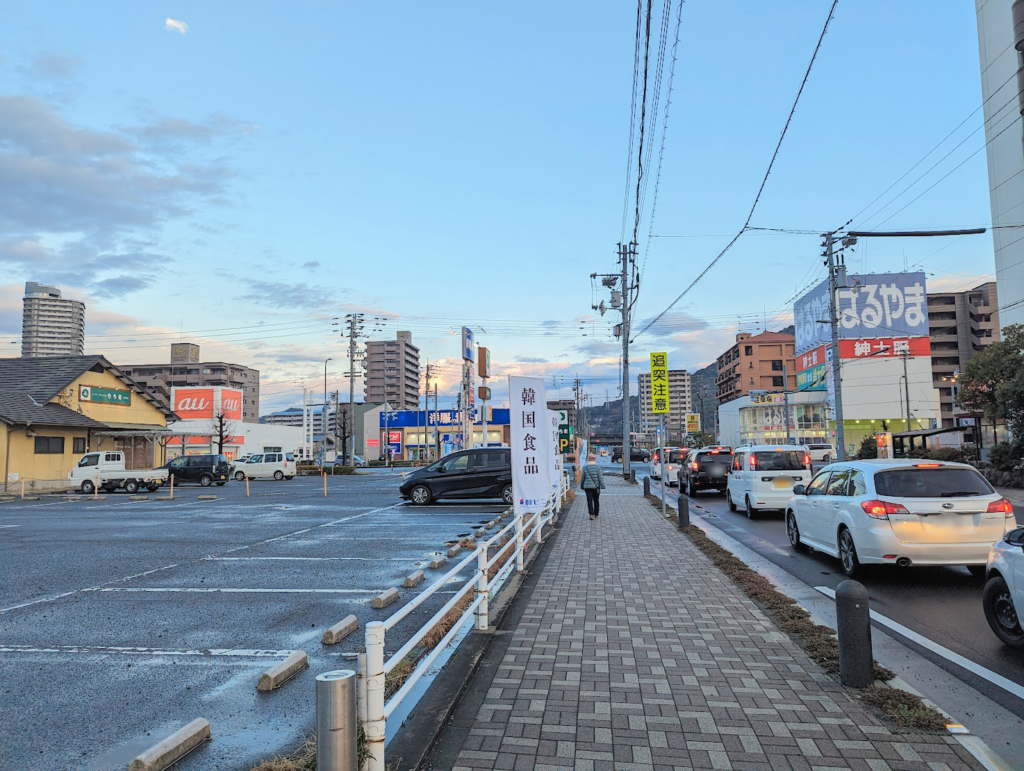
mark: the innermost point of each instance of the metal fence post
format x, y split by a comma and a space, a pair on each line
853, 625
540, 526
482, 590
375, 727
337, 731
519, 542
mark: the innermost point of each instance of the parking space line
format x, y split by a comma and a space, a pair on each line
90, 589
987, 674
314, 559
228, 590
95, 649
4, 527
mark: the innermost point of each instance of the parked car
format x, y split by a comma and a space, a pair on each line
1003, 598
821, 453
705, 469
204, 469
672, 456
106, 470
636, 455
479, 473
268, 465
763, 476
899, 512
358, 460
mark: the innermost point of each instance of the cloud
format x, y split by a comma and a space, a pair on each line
281, 294
529, 360
49, 66
167, 133
119, 286
311, 264
172, 25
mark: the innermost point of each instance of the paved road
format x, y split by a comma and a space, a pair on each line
942, 604
205, 595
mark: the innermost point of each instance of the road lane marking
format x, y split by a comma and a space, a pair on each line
226, 590
986, 674
95, 649
4, 527
314, 559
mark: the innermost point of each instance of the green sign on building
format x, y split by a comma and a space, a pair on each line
565, 433
104, 395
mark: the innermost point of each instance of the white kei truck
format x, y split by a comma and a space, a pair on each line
106, 471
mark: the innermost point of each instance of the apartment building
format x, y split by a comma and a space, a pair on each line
185, 369
959, 324
50, 324
393, 372
756, 363
679, 403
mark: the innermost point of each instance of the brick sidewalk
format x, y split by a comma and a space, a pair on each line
635, 652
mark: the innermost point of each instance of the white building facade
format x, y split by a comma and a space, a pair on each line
50, 324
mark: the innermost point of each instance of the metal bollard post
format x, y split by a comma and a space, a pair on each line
684, 512
375, 725
337, 731
853, 624
519, 542
632, 475
482, 590
647, 485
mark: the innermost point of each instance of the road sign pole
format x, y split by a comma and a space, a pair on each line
664, 482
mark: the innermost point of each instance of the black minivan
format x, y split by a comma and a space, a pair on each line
480, 473
204, 469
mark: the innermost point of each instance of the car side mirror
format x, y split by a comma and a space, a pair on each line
799, 490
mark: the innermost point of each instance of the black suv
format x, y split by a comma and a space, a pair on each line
705, 469
204, 469
636, 455
480, 473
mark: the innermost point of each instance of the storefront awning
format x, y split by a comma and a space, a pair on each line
925, 432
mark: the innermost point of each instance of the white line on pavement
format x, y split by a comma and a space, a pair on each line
90, 589
94, 649
986, 674
4, 527
215, 590
316, 559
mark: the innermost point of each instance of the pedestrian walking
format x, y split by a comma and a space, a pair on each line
592, 482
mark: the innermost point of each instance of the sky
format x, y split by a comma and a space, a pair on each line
242, 176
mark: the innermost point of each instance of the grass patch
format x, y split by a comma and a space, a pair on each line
303, 759
396, 678
819, 642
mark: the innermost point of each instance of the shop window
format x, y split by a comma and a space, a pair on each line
49, 445
79, 444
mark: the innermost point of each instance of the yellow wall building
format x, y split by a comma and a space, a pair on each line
54, 409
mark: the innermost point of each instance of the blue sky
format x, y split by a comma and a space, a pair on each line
245, 182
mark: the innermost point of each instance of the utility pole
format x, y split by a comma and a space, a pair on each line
437, 438
833, 320
906, 387
426, 409
354, 322
785, 401
626, 255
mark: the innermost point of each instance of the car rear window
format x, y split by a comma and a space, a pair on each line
675, 456
715, 457
775, 460
942, 482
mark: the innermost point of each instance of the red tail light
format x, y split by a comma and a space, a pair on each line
1002, 505
694, 466
807, 460
753, 460
882, 509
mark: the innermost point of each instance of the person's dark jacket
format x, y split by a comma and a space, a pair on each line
592, 478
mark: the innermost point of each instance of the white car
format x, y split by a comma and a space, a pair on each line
269, 465
763, 476
821, 453
672, 456
899, 512
1003, 598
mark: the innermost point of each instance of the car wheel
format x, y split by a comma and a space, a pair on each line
205, 480
978, 571
278, 475
506, 494
1001, 614
239, 476
152, 488
689, 489
420, 495
88, 487
826, 458
751, 511
848, 554
729, 501
131, 486
793, 531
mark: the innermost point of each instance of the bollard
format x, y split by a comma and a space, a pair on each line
246, 485
325, 484
684, 512
853, 625
647, 485
23, 488
96, 487
172, 487
337, 730
632, 475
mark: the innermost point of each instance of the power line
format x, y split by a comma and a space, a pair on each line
643, 120
764, 180
632, 120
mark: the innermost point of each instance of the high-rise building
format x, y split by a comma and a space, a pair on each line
393, 372
50, 324
959, 324
185, 369
1000, 48
755, 363
679, 403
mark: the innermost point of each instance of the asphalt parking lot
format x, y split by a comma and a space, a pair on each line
121, 621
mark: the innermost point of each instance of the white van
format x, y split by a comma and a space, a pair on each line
825, 453
763, 476
267, 465
665, 461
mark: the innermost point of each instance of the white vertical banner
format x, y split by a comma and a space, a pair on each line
554, 456
531, 440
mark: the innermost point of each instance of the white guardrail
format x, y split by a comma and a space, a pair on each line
373, 709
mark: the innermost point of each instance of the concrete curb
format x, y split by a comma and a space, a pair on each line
384, 599
480, 533
341, 630
206, 498
452, 552
173, 748
282, 672
413, 579
438, 562
138, 497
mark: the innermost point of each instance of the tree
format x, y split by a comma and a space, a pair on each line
221, 430
700, 439
992, 383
